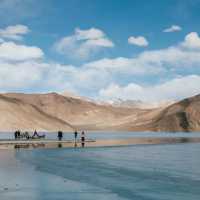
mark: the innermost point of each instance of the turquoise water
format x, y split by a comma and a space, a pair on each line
142, 172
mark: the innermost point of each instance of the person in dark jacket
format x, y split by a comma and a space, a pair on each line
16, 135
75, 135
75, 138
60, 135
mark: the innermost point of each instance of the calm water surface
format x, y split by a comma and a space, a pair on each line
142, 172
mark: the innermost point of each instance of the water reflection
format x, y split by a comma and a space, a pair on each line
24, 146
184, 140
75, 144
27, 146
98, 143
83, 144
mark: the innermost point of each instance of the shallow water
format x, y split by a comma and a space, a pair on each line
144, 172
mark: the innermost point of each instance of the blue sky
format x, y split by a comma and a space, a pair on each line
104, 49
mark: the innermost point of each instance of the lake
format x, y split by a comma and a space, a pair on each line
141, 172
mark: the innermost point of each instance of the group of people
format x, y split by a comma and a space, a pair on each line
60, 136
18, 135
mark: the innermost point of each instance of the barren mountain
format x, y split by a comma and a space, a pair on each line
17, 114
181, 116
53, 111
78, 112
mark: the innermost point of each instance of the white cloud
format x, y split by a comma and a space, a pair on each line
16, 52
126, 66
192, 41
88, 34
83, 43
14, 32
20, 75
173, 28
175, 89
172, 58
35, 75
138, 41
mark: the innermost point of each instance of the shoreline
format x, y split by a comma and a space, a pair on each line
50, 143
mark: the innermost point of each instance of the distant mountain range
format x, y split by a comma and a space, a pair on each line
52, 111
138, 104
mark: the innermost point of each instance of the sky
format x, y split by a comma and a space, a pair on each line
103, 49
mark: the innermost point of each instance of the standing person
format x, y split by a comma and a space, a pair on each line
15, 134
75, 138
83, 138
18, 134
75, 135
35, 134
60, 135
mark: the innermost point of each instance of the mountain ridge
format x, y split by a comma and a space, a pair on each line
53, 111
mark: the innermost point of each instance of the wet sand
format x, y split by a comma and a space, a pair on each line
16, 144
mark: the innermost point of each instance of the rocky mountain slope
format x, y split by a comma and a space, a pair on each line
53, 111
181, 116
17, 114
80, 113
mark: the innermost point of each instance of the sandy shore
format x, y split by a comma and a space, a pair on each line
15, 144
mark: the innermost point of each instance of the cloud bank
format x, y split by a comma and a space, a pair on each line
174, 89
16, 52
24, 67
